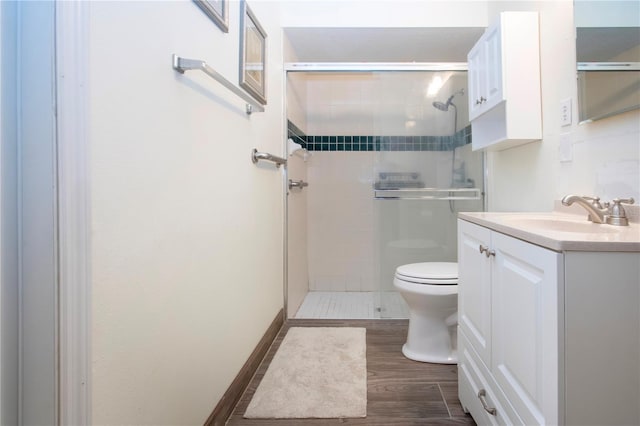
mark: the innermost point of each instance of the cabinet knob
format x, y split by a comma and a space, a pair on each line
481, 396
487, 252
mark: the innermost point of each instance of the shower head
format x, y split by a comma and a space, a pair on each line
441, 105
444, 106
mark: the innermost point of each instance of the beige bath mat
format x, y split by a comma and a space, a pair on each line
318, 372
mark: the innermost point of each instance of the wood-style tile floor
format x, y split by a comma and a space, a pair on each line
400, 392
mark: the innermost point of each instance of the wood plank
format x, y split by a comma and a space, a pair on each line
400, 392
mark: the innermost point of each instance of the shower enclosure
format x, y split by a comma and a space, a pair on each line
389, 165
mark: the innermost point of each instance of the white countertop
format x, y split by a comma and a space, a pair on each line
560, 231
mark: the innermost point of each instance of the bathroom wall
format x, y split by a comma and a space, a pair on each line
602, 158
187, 233
340, 221
297, 262
368, 103
383, 13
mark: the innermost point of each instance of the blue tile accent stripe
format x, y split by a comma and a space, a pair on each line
380, 143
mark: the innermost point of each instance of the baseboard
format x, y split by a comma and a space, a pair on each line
227, 403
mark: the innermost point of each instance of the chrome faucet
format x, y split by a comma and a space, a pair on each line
592, 205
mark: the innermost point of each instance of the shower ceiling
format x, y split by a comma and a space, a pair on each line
382, 44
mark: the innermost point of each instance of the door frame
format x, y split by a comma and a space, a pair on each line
74, 209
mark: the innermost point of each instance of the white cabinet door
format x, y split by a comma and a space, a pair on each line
476, 76
493, 91
526, 285
484, 63
474, 288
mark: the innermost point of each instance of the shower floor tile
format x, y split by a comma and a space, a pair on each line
352, 305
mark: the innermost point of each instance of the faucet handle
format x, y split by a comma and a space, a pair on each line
595, 201
629, 200
618, 216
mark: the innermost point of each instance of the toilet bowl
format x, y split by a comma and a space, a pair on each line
431, 292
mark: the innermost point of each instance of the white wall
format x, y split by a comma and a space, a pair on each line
8, 216
340, 221
297, 263
383, 13
382, 103
605, 154
296, 97
187, 232
607, 13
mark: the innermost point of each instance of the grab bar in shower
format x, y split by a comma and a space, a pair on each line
257, 156
450, 194
183, 64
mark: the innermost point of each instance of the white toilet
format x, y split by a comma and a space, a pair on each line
431, 291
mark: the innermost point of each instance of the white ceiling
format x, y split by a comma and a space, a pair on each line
382, 44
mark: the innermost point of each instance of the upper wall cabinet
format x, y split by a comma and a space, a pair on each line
504, 83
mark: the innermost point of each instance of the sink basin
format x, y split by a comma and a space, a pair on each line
560, 231
562, 225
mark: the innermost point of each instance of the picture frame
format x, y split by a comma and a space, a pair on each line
253, 51
217, 10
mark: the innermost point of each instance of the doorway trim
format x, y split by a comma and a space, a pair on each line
74, 205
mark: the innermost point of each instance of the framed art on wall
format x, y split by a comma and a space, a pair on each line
217, 10
253, 49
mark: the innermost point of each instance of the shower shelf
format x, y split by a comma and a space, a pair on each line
450, 194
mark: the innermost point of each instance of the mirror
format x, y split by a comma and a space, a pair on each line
608, 57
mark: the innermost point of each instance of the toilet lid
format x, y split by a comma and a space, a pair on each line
429, 272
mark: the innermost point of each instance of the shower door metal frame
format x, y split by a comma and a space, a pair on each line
373, 66
357, 67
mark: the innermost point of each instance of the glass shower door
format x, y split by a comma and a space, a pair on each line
424, 173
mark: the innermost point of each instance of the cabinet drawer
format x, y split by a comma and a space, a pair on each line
473, 377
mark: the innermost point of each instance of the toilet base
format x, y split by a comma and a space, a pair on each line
451, 359
430, 339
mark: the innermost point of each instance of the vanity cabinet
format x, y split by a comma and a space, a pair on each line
544, 337
504, 83
508, 310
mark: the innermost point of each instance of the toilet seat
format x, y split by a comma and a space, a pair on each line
434, 273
